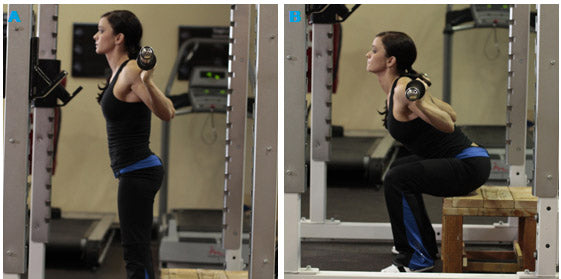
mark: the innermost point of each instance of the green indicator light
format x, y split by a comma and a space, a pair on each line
216, 77
209, 74
206, 91
489, 6
222, 91
505, 6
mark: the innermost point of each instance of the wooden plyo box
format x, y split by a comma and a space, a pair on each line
181, 273
489, 201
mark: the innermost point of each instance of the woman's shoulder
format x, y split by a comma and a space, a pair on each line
131, 71
404, 80
402, 83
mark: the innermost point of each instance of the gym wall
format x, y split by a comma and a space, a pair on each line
478, 82
83, 179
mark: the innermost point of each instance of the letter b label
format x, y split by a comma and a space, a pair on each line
294, 16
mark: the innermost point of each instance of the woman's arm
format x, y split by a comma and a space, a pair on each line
144, 87
445, 107
433, 114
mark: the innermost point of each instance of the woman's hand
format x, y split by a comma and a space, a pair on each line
146, 76
427, 109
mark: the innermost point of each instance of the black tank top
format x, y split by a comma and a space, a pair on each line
128, 127
423, 139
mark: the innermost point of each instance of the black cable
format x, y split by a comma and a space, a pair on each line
340, 44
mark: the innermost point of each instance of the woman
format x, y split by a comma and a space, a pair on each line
127, 101
444, 161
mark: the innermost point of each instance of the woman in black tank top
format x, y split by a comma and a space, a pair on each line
444, 162
128, 100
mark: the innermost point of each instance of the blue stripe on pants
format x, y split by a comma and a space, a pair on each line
420, 258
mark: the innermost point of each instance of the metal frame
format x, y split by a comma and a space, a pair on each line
546, 136
547, 204
547, 139
311, 273
447, 62
320, 147
236, 115
43, 129
322, 87
16, 140
264, 203
40, 189
319, 226
382, 231
42, 161
35, 234
295, 88
295, 102
517, 93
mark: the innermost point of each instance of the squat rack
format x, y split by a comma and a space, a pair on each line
546, 166
259, 69
28, 89
264, 199
16, 238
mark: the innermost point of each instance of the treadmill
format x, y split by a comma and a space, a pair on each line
192, 238
79, 239
359, 155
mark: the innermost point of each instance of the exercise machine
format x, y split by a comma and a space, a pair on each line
472, 17
493, 137
360, 155
193, 236
232, 245
345, 153
82, 238
545, 181
34, 87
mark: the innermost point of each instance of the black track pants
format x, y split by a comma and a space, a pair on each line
135, 201
404, 184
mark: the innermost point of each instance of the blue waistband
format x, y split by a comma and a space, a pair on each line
472, 151
151, 161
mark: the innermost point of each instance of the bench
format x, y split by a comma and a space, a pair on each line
489, 201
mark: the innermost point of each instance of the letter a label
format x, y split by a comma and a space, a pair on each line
14, 16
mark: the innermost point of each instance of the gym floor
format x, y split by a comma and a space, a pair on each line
349, 199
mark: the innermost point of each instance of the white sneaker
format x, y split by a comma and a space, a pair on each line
395, 252
395, 269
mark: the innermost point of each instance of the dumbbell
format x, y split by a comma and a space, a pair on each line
146, 59
415, 90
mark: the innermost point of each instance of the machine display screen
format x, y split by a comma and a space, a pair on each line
214, 91
491, 7
213, 75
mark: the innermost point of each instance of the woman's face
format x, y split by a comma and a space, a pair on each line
376, 56
104, 38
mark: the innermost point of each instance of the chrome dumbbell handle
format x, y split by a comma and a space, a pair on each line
146, 59
415, 90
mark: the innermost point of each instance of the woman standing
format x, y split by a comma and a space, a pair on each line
128, 100
444, 162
